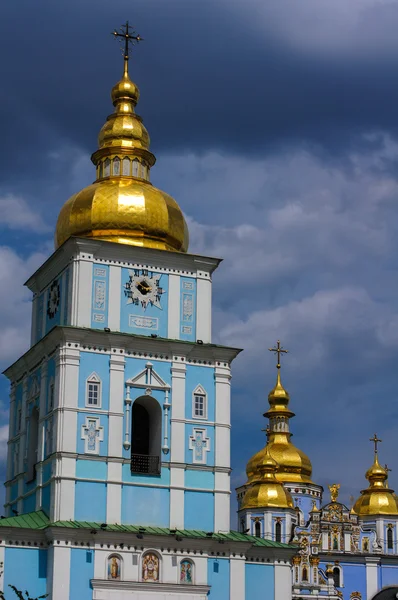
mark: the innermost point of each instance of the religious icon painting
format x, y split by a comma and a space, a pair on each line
114, 564
185, 571
150, 567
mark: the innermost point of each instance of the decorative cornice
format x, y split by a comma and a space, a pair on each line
139, 586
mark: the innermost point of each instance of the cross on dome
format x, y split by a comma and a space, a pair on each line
129, 38
375, 440
278, 350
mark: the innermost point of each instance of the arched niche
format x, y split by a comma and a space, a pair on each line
146, 435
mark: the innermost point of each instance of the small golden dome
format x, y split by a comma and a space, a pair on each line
293, 464
122, 205
266, 490
377, 499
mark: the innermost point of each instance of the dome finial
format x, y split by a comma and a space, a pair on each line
128, 38
278, 350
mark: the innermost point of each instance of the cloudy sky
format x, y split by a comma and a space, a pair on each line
275, 127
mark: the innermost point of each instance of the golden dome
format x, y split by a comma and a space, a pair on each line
293, 464
266, 490
377, 499
122, 205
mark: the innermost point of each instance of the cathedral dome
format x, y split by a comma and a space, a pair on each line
377, 499
122, 205
266, 490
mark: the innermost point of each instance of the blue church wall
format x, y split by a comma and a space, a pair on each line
91, 362
208, 456
81, 573
50, 380
29, 503
388, 575
141, 320
46, 472
203, 376
218, 578
354, 577
199, 510
304, 502
29, 486
90, 501
259, 577
18, 405
188, 309
145, 506
195, 478
13, 491
47, 443
162, 480
103, 422
91, 469
26, 568
46, 499
100, 294
56, 319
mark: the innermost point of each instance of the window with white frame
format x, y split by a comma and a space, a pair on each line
93, 391
199, 403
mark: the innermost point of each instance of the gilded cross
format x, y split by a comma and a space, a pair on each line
278, 350
129, 36
387, 469
375, 440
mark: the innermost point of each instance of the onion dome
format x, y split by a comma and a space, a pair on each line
122, 205
293, 464
377, 499
266, 490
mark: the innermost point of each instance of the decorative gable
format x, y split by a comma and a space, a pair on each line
149, 379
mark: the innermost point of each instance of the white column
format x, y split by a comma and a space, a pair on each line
11, 431
42, 429
114, 299
223, 417
177, 483
23, 442
237, 579
66, 391
372, 565
74, 294
222, 502
64, 507
114, 493
116, 405
85, 288
283, 580
203, 308
268, 525
61, 573
174, 307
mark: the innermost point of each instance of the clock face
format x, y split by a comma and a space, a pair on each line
53, 299
143, 288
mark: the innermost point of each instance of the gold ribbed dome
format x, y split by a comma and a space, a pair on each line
293, 464
377, 499
122, 205
266, 490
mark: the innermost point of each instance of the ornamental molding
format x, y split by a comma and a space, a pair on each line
109, 586
148, 379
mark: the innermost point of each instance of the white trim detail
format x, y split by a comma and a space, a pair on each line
148, 379
92, 434
201, 392
94, 379
199, 444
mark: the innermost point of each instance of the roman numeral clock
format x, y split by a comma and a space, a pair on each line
143, 288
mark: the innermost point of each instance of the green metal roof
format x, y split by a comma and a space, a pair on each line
39, 520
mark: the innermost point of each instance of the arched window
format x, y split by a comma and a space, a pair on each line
278, 531
33, 444
107, 167
186, 571
143, 171
336, 577
135, 168
242, 525
257, 529
101, 169
93, 391
116, 166
126, 166
199, 403
114, 567
150, 567
146, 432
390, 538
305, 574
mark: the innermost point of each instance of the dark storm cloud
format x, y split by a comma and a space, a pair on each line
209, 79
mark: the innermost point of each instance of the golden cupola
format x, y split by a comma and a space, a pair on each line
293, 464
377, 498
122, 205
266, 490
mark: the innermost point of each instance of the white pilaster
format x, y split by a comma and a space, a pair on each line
174, 307
61, 573
372, 565
283, 580
114, 493
66, 394
11, 432
85, 287
115, 290
177, 484
64, 507
203, 309
222, 502
237, 579
223, 416
116, 406
178, 373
